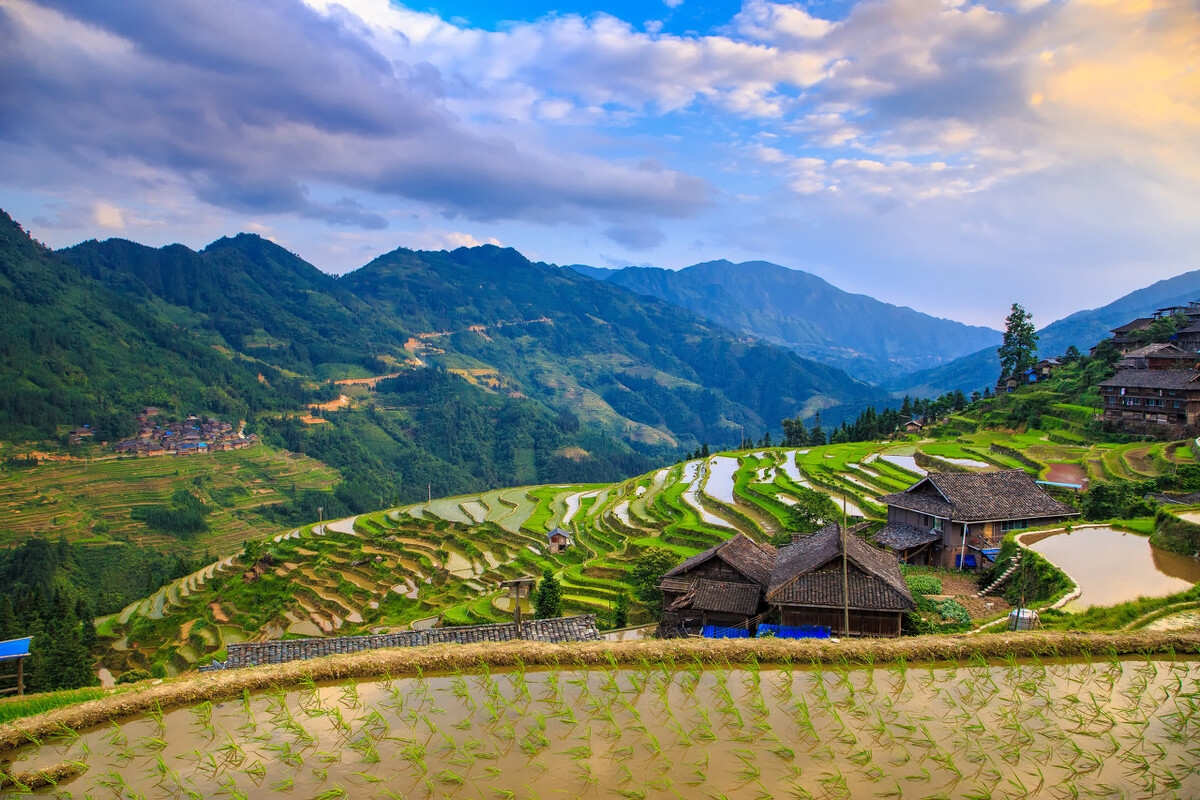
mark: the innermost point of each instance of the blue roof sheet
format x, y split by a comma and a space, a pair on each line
15, 648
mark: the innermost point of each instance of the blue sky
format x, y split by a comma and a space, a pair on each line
949, 155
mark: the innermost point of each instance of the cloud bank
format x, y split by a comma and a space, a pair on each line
932, 151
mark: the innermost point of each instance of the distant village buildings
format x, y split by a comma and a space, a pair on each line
194, 435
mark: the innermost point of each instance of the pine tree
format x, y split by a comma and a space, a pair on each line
816, 436
547, 598
621, 611
1019, 346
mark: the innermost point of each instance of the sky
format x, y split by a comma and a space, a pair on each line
948, 155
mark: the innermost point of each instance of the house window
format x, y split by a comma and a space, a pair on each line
1177, 404
939, 524
1014, 525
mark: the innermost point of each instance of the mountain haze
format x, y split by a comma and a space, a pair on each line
1082, 329
870, 339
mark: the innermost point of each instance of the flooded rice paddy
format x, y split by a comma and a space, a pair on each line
1103, 728
1113, 566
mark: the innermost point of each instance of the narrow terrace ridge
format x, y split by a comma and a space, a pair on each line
552, 631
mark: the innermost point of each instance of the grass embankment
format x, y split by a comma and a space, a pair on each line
29, 705
197, 688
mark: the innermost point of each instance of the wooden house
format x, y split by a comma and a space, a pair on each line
722, 586
808, 588
558, 540
1135, 397
968, 511
1159, 356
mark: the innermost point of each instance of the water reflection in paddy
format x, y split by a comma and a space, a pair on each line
1113, 566
672, 731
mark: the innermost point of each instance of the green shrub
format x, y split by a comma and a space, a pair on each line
134, 675
923, 584
953, 611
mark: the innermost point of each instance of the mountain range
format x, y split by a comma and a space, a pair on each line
869, 339
535, 372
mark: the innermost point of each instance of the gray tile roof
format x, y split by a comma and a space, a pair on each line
562, 629
741, 552
1160, 350
902, 536
979, 497
1153, 379
809, 573
729, 598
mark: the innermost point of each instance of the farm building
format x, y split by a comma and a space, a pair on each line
722, 586
1134, 398
968, 511
1159, 356
558, 540
808, 589
731, 588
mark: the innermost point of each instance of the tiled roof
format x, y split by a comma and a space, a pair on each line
1160, 350
729, 598
980, 496
676, 584
741, 552
809, 572
1153, 379
562, 629
1139, 324
902, 536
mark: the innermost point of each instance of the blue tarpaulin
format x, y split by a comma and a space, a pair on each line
795, 631
15, 648
960, 562
990, 553
717, 632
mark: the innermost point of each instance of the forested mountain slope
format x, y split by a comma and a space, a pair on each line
869, 339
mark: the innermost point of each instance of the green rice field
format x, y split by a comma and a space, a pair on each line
1106, 727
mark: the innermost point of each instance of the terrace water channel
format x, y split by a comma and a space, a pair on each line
1113, 566
1102, 728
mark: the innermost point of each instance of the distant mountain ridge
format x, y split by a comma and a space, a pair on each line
545, 374
1082, 329
869, 339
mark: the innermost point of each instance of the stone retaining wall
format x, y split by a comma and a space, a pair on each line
563, 629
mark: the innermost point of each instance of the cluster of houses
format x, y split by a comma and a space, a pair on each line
193, 435
839, 581
1156, 388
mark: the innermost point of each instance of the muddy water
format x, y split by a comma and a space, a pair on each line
1107, 728
1067, 473
1113, 566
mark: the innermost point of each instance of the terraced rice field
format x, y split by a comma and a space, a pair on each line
1105, 728
88, 499
447, 558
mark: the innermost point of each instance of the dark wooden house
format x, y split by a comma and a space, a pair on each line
968, 511
722, 586
808, 588
1134, 398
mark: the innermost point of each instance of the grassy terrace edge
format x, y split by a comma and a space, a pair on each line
398, 662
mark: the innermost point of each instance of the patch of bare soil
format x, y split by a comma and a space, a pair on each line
962, 587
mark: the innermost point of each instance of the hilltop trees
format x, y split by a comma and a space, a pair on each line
1019, 346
